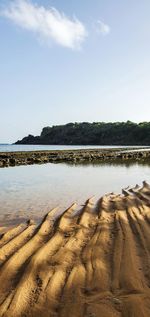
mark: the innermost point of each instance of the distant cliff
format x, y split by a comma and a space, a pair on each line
96, 133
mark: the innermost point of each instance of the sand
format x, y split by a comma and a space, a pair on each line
92, 262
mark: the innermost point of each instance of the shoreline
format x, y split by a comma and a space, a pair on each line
8, 159
92, 259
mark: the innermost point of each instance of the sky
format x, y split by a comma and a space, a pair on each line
72, 61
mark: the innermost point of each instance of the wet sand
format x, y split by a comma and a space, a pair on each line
92, 262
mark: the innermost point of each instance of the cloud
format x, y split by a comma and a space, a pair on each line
102, 28
47, 23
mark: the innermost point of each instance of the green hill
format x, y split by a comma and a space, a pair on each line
96, 133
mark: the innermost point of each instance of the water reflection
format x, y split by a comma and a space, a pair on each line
118, 162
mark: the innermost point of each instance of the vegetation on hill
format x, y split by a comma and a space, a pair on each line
96, 133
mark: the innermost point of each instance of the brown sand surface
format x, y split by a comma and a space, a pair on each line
92, 262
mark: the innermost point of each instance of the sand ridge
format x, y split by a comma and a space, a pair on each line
91, 263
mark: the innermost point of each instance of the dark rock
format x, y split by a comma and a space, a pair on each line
12, 162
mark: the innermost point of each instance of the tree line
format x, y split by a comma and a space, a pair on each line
96, 133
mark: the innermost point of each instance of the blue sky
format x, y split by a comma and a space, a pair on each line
65, 61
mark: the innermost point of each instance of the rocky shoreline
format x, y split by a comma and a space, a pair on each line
75, 156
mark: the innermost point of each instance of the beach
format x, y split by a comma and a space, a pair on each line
74, 158
87, 261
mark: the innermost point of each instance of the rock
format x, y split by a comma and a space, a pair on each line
12, 162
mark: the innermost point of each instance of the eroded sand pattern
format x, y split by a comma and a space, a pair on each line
93, 262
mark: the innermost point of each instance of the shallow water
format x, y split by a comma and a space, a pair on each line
31, 191
20, 148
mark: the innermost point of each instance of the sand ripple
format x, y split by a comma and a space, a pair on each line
92, 262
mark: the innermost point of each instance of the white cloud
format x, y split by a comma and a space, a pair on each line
49, 24
102, 28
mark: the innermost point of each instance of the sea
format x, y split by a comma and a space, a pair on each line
20, 148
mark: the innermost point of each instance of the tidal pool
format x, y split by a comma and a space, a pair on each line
31, 191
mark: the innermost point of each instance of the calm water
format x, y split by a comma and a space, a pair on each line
31, 191
14, 147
